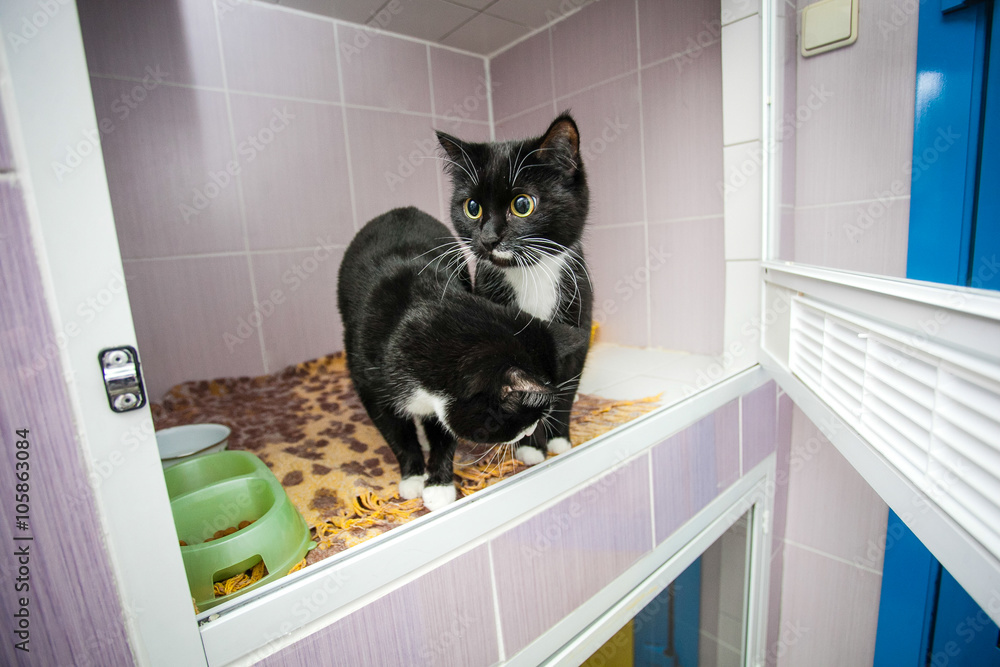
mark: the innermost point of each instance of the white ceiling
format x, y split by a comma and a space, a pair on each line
479, 26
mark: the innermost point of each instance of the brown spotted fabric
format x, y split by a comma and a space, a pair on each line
309, 427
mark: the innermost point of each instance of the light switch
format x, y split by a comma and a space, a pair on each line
828, 25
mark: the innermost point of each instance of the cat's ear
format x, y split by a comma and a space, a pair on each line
533, 393
568, 339
454, 148
561, 143
516, 379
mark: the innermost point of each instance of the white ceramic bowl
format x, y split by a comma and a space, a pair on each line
181, 442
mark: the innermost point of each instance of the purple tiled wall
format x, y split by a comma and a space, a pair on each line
759, 424
650, 116
74, 615
242, 141
853, 142
553, 562
829, 612
522, 77
826, 551
692, 467
688, 468
166, 161
125, 38
278, 53
445, 617
827, 569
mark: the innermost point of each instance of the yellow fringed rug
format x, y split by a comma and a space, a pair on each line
307, 424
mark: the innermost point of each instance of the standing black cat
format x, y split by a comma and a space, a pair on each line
521, 206
430, 360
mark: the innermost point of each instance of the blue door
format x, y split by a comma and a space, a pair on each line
925, 617
954, 232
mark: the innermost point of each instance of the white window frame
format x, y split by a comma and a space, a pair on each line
973, 323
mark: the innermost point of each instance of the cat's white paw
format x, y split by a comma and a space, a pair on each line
411, 487
559, 445
436, 497
529, 456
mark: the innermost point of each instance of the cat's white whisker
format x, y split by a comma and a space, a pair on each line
534, 282
566, 382
513, 176
556, 280
455, 247
570, 254
526, 325
449, 256
552, 273
548, 424
437, 247
472, 176
457, 263
468, 162
522, 165
489, 452
502, 450
519, 261
457, 270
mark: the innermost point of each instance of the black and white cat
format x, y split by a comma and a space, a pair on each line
433, 362
520, 207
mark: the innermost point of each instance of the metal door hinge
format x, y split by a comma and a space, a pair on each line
122, 378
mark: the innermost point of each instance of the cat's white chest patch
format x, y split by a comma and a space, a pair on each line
536, 287
423, 403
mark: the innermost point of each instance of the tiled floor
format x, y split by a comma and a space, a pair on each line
618, 371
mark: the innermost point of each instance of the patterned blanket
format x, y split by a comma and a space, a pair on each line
308, 425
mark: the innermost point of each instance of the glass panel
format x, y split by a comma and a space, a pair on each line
699, 620
880, 146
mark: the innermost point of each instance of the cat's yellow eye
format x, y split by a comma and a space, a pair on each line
522, 206
473, 210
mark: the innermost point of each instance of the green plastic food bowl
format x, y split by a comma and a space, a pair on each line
213, 492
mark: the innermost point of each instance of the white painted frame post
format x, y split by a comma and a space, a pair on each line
73, 232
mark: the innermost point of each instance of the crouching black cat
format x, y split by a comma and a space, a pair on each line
433, 362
